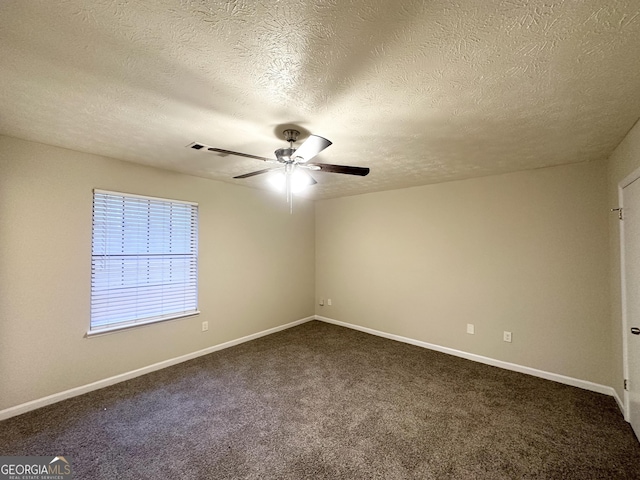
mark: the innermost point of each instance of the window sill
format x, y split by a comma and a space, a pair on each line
119, 328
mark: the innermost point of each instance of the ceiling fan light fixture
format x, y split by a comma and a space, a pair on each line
299, 180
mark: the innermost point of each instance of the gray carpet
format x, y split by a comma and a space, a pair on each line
321, 401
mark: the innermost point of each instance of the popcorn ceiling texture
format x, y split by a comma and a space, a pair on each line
420, 91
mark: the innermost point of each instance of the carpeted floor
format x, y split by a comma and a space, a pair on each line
321, 401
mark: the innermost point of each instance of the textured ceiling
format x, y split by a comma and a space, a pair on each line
419, 91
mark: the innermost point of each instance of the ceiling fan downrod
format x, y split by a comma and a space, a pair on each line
285, 155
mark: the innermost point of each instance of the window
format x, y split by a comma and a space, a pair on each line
144, 260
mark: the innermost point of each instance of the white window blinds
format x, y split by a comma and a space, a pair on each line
144, 262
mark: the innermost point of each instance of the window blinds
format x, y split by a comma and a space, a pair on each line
144, 262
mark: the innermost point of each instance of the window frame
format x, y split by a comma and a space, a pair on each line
194, 255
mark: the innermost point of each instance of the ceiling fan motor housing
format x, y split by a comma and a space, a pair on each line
285, 155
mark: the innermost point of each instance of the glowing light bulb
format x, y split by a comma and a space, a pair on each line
299, 180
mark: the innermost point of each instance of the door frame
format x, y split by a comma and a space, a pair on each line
626, 181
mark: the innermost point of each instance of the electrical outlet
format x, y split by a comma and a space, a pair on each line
329, 302
205, 326
506, 336
470, 328
321, 302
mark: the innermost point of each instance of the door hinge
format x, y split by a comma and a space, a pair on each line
626, 384
619, 210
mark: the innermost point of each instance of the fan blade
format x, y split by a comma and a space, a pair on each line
327, 167
247, 155
247, 175
311, 147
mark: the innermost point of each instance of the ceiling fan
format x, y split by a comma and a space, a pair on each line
292, 175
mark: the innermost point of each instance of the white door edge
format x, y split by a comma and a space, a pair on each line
628, 180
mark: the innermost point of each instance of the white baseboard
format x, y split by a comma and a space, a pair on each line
620, 403
575, 382
73, 392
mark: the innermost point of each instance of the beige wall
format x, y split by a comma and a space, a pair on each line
624, 160
256, 268
525, 252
